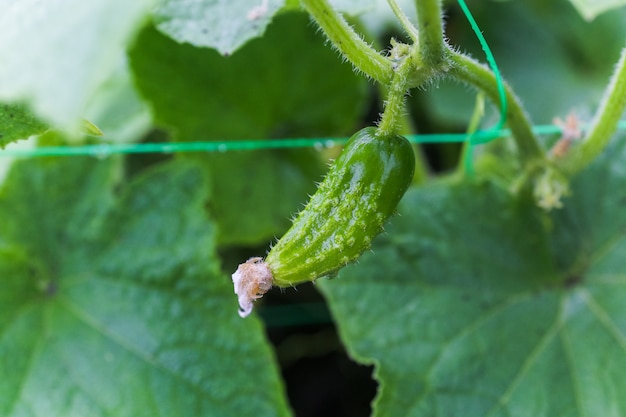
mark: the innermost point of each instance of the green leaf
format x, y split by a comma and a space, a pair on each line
288, 83
113, 303
476, 303
225, 26
590, 9
16, 122
56, 53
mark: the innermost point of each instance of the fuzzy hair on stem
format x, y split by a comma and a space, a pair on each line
350, 44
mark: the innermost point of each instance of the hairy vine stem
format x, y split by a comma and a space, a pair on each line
430, 24
343, 37
394, 105
604, 123
426, 59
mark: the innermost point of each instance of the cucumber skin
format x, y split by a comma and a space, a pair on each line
360, 192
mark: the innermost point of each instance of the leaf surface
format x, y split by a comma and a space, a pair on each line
475, 303
225, 26
113, 303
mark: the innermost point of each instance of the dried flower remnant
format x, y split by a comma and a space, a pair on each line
251, 280
571, 132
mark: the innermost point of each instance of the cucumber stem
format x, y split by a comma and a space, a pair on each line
394, 105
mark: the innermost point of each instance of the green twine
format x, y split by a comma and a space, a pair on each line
104, 150
500, 84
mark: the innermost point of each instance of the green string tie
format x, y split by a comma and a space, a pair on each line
104, 150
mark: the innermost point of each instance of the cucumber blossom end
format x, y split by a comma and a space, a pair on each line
251, 280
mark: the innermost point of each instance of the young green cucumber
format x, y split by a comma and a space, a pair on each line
359, 193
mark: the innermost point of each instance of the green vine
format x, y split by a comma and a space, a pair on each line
343, 37
427, 59
430, 25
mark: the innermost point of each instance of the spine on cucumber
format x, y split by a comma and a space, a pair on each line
359, 193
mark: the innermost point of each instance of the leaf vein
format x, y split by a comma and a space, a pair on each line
95, 325
605, 319
506, 303
569, 357
31, 363
542, 344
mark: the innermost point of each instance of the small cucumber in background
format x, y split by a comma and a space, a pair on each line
359, 193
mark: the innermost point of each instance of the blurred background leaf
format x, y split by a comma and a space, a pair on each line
286, 84
590, 9
56, 53
224, 26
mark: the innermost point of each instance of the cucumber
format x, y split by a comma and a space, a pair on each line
360, 192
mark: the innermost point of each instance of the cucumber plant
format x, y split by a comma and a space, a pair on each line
368, 179
496, 290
